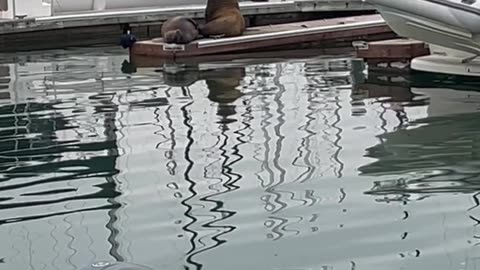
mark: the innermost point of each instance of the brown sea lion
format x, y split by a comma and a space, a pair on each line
179, 30
223, 18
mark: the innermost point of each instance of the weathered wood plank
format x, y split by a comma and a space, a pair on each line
393, 49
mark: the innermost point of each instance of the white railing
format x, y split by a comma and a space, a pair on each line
11, 9
61, 6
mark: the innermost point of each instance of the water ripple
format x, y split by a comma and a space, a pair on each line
298, 161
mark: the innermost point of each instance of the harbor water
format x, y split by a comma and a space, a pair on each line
276, 163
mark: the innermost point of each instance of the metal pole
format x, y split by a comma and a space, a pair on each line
14, 9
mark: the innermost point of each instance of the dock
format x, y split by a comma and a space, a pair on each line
316, 33
262, 57
392, 55
104, 27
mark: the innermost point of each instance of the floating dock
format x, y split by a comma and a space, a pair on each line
392, 54
105, 27
318, 33
234, 59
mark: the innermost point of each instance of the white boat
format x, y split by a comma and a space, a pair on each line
40, 8
450, 27
73, 6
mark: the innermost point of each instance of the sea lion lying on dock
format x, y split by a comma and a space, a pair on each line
179, 30
223, 19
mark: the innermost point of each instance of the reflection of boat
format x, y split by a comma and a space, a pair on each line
433, 80
384, 81
430, 159
434, 153
438, 94
449, 26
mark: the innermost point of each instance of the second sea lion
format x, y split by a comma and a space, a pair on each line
179, 30
223, 18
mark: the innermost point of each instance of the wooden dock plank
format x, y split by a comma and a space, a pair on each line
392, 55
271, 36
309, 24
393, 49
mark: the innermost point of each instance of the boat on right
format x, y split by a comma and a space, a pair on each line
451, 28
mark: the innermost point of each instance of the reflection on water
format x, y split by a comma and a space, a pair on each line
292, 163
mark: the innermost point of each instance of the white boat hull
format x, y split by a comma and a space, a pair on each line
433, 23
449, 26
446, 65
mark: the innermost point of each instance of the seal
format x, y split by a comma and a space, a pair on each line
115, 266
179, 30
223, 19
